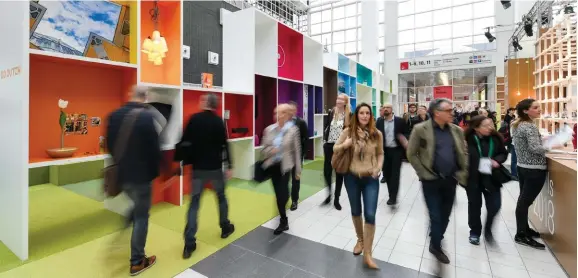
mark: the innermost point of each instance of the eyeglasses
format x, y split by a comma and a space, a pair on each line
446, 110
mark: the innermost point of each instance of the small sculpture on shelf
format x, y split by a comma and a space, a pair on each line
62, 152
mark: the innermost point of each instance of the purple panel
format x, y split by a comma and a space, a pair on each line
265, 102
287, 91
318, 100
310, 110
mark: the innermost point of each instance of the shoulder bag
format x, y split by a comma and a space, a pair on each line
342, 160
112, 187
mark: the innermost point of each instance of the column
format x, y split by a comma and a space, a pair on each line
369, 44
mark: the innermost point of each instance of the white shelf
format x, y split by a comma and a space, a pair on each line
67, 161
160, 86
312, 62
240, 139
95, 61
197, 87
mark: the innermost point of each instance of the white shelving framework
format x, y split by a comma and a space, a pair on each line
555, 73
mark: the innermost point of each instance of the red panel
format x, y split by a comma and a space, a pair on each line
167, 186
191, 104
443, 92
240, 115
290, 50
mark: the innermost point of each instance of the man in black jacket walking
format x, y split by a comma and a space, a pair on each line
296, 183
203, 144
138, 161
394, 143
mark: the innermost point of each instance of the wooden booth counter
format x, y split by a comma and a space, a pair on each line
553, 214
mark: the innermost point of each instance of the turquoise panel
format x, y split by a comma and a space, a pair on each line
364, 75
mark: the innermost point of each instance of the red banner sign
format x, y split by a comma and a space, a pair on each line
443, 92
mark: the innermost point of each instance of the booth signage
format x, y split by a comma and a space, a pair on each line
443, 92
454, 60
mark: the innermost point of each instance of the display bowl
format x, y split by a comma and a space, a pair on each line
61, 152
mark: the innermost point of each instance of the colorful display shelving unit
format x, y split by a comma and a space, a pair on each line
555, 73
269, 63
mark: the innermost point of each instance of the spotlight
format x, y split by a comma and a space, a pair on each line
568, 10
489, 36
516, 44
506, 4
528, 26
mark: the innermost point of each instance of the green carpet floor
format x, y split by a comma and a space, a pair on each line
68, 218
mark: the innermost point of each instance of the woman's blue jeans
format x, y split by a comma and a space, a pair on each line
366, 188
513, 161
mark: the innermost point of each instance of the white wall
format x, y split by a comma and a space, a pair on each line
14, 66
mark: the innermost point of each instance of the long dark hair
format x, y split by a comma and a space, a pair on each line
371, 129
476, 122
523, 105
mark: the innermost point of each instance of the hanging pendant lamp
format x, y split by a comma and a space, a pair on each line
155, 46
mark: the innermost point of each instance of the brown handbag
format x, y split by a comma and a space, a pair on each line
341, 161
111, 185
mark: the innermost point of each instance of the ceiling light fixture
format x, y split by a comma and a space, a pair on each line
155, 46
506, 4
528, 26
516, 44
568, 10
489, 36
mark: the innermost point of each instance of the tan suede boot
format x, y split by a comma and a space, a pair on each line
368, 246
358, 224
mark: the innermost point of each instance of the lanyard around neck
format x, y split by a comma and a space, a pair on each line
480, 148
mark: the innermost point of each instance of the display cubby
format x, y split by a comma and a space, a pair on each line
555, 73
169, 24
100, 73
273, 64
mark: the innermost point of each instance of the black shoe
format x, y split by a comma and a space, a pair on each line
336, 203
391, 202
528, 241
227, 230
188, 250
327, 201
489, 239
293, 206
439, 254
283, 226
382, 180
532, 233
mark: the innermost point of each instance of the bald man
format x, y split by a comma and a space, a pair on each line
394, 145
139, 166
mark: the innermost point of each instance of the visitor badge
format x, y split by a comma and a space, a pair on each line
485, 166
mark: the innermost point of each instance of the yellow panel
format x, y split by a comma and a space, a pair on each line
32, 20
133, 28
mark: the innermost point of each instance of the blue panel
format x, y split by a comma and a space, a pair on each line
342, 83
352, 90
353, 103
310, 109
343, 64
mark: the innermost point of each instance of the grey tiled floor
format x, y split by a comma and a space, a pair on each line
261, 254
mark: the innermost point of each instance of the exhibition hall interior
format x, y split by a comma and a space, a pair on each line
67, 63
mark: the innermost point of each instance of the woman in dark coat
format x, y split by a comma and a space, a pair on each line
486, 153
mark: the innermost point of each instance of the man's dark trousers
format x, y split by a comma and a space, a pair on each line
439, 197
391, 170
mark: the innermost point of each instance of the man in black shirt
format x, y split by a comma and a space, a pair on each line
202, 146
296, 183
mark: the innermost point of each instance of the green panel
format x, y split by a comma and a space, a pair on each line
75, 173
38, 175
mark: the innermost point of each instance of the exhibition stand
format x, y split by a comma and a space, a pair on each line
270, 64
60, 98
553, 213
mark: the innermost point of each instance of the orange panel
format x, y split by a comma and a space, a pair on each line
166, 187
169, 25
520, 79
94, 91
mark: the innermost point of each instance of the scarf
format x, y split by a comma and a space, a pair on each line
361, 141
278, 140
